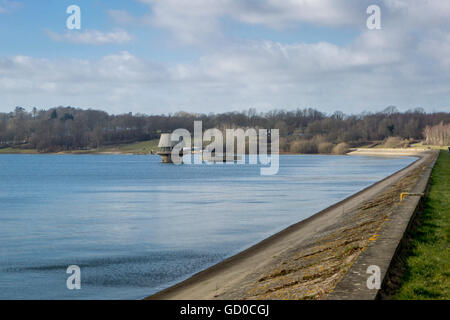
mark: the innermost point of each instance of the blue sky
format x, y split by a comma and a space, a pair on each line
154, 56
33, 19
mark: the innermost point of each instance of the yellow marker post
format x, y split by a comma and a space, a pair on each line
405, 194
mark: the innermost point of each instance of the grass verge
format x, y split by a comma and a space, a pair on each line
143, 147
427, 265
17, 151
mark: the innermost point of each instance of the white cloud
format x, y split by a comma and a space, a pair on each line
115, 82
438, 49
94, 37
404, 64
190, 21
121, 16
256, 74
274, 13
196, 20
420, 12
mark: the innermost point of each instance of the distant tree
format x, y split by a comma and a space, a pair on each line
391, 129
67, 116
54, 114
300, 129
390, 110
438, 135
338, 115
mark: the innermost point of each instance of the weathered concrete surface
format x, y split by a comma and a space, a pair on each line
308, 259
386, 152
381, 252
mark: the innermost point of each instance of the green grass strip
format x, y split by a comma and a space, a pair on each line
427, 266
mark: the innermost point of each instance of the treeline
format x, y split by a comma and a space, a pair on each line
438, 135
301, 130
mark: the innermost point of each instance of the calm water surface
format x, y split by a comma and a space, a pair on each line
136, 226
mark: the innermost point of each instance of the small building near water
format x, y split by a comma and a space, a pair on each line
165, 147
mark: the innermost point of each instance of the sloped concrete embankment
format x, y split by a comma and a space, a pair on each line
309, 259
385, 246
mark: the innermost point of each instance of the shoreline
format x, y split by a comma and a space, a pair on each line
270, 269
354, 151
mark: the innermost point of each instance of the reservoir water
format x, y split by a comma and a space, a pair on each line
135, 226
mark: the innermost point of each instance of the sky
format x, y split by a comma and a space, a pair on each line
214, 56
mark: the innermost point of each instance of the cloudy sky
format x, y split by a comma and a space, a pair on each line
163, 56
